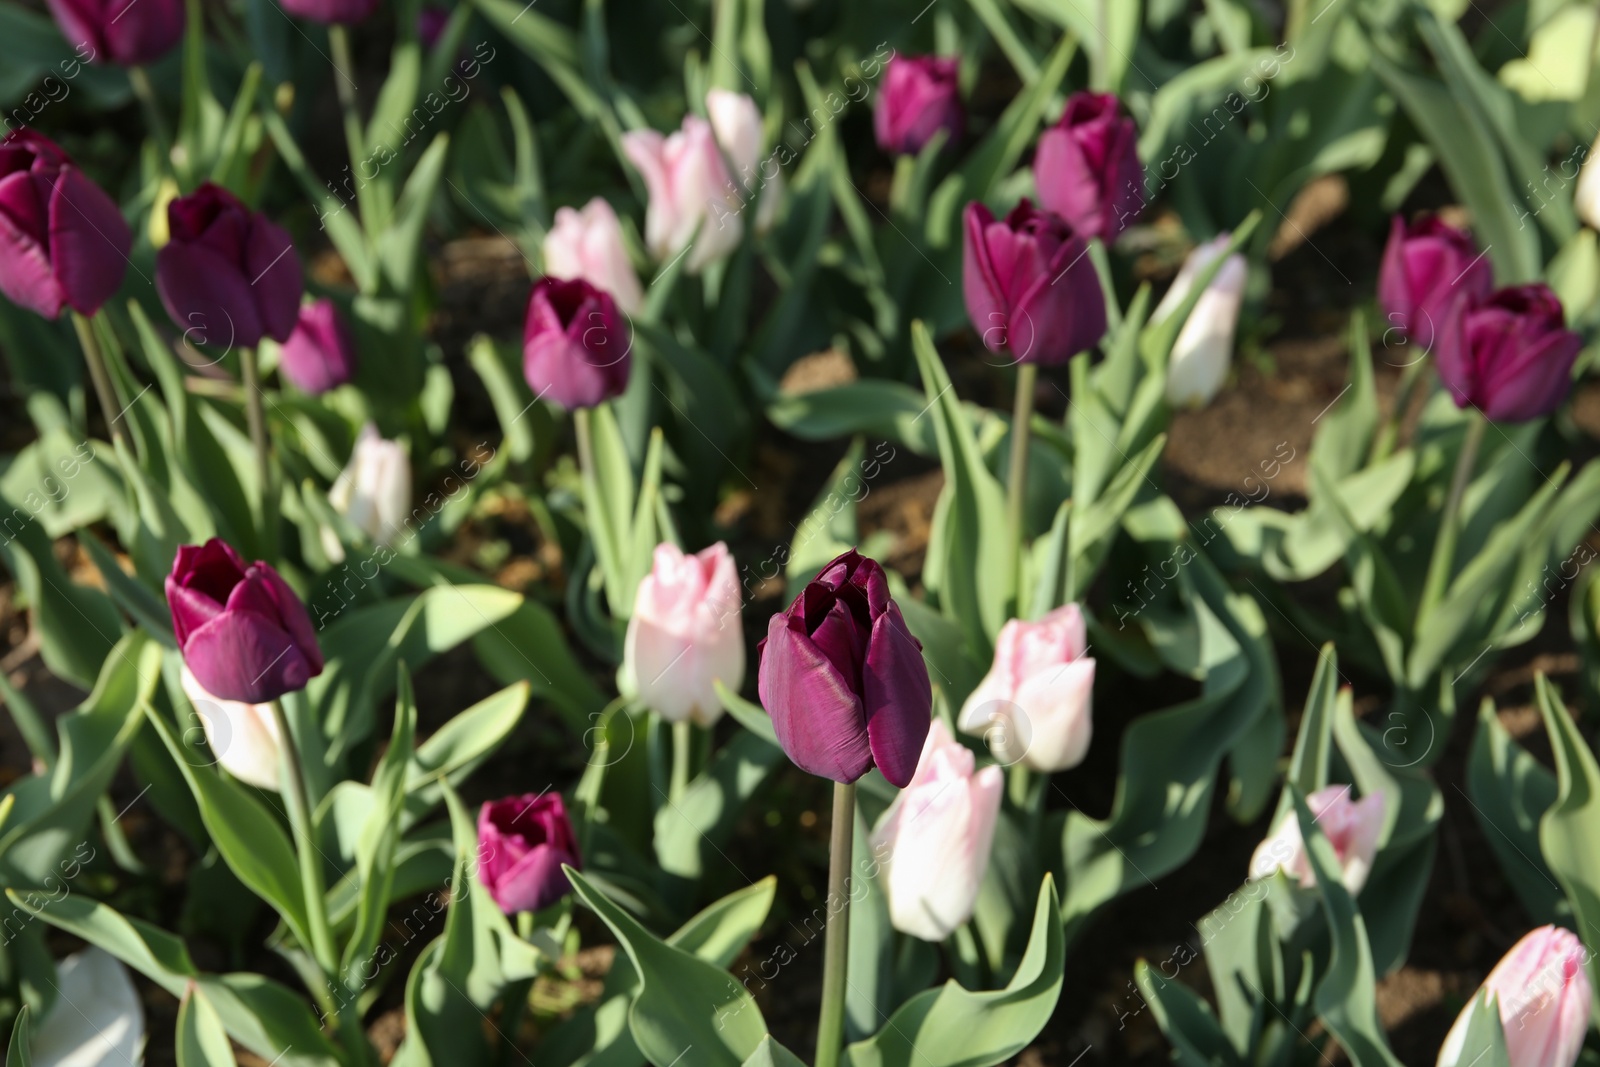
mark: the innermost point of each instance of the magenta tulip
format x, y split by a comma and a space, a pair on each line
522, 844
1031, 291
576, 346
63, 243
244, 633
129, 33
1514, 362
227, 276
919, 98
843, 678
1087, 167
320, 354
1431, 271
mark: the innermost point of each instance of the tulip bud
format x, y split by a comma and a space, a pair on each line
243, 632
97, 1018
1429, 269
243, 736
331, 11
588, 245
1030, 288
320, 354
1542, 990
843, 678
1514, 362
1586, 197
129, 33
522, 844
1035, 705
374, 491
1351, 827
691, 193
1203, 352
935, 839
227, 275
1087, 170
63, 242
919, 98
685, 634
736, 123
576, 348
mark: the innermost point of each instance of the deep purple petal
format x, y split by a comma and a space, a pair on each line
273, 270
244, 656
207, 296
89, 241
898, 698
817, 716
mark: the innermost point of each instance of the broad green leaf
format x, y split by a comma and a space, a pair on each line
771, 1054
1510, 793
1186, 1020
753, 717
1485, 1044
77, 625
21, 1037
201, 1040
690, 832
1571, 825
459, 747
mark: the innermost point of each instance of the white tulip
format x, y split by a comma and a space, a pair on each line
373, 491
1203, 352
243, 736
97, 1019
1586, 197
1036, 704
737, 124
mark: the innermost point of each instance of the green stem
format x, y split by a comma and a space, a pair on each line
305, 846
836, 943
256, 418
354, 136
682, 751
1444, 549
1019, 785
1017, 479
146, 92
98, 376
1383, 443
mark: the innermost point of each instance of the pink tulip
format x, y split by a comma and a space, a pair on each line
1542, 990
685, 634
692, 196
935, 839
1087, 167
1035, 705
1351, 826
588, 244
736, 123
920, 96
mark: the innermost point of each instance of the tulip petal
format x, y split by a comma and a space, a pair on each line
274, 274
207, 296
816, 715
97, 1018
89, 241
1058, 705
897, 695
244, 656
535, 881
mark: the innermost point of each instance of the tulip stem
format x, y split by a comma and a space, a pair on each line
1384, 441
836, 943
256, 418
1444, 548
354, 137
682, 751
1017, 479
146, 92
305, 847
98, 376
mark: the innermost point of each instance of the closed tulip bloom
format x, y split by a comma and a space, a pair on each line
1086, 168
320, 354
1542, 990
1351, 827
576, 347
129, 33
97, 1019
685, 634
843, 678
331, 11
1586, 198
1430, 271
1031, 291
692, 195
935, 839
588, 244
374, 489
522, 844
1035, 706
1203, 352
227, 275
1515, 359
243, 736
243, 632
736, 124
63, 243
918, 98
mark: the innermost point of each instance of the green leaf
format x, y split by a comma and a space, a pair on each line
1485, 1044
201, 1039
771, 1054
1569, 829
458, 748
690, 832
752, 717
77, 625
891, 410
1510, 793
401, 243
21, 1037
1186, 1020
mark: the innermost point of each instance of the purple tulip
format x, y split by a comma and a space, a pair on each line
320, 354
1031, 290
918, 99
227, 275
431, 23
575, 343
62, 240
843, 678
1087, 167
244, 633
129, 33
522, 844
1514, 358
331, 11
1430, 272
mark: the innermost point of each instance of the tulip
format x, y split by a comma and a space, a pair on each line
1035, 705
935, 839
1586, 197
130, 33
320, 354
576, 348
1030, 288
736, 123
588, 245
243, 632
843, 678
227, 275
373, 491
97, 1019
1203, 351
685, 634
1542, 990
1087, 167
919, 98
1351, 827
1430, 271
1515, 359
431, 23
692, 196
63, 242
331, 11
522, 844
244, 736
